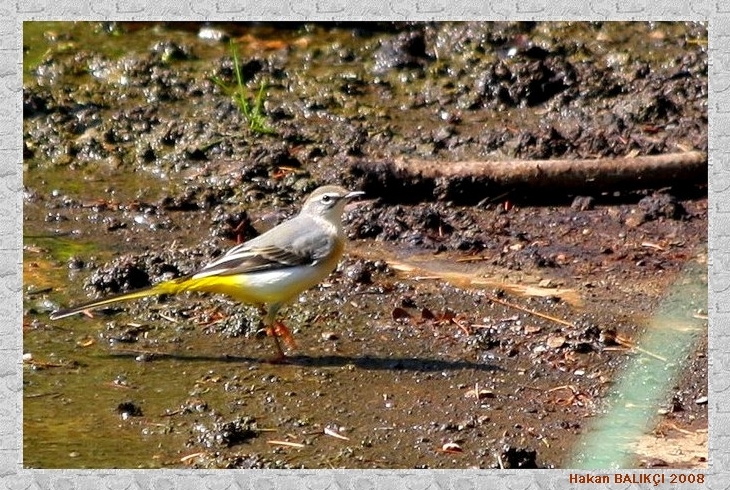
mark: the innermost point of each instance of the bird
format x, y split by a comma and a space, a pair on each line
268, 270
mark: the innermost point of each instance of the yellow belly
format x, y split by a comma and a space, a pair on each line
266, 287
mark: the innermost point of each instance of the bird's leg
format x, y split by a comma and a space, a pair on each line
273, 329
280, 356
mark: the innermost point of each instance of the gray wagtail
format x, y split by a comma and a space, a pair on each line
270, 269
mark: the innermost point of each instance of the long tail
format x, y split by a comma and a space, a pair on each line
167, 287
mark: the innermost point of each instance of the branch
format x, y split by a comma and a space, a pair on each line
405, 180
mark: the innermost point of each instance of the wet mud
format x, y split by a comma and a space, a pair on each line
456, 332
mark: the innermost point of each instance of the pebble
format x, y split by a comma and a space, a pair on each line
212, 34
583, 203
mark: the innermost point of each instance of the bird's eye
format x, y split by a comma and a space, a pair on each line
326, 198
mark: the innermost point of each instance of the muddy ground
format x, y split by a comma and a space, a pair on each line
463, 328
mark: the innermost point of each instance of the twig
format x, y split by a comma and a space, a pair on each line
191, 456
531, 312
572, 325
335, 434
286, 443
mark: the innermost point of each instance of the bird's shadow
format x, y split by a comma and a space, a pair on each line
367, 362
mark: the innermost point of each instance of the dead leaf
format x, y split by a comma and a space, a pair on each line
427, 314
399, 313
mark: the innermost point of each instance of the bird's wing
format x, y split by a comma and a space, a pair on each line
301, 241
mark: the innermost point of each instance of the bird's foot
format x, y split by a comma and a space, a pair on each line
276, 331
280, 358
280, 330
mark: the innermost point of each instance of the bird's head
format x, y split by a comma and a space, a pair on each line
328, 201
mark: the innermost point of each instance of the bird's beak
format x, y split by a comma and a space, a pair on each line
353, 194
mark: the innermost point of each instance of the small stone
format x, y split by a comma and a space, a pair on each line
75, 263
635, 220
583, 203
546, 283
212, 34
359, 273
556, 341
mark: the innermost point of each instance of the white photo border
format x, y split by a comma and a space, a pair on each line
14, 13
